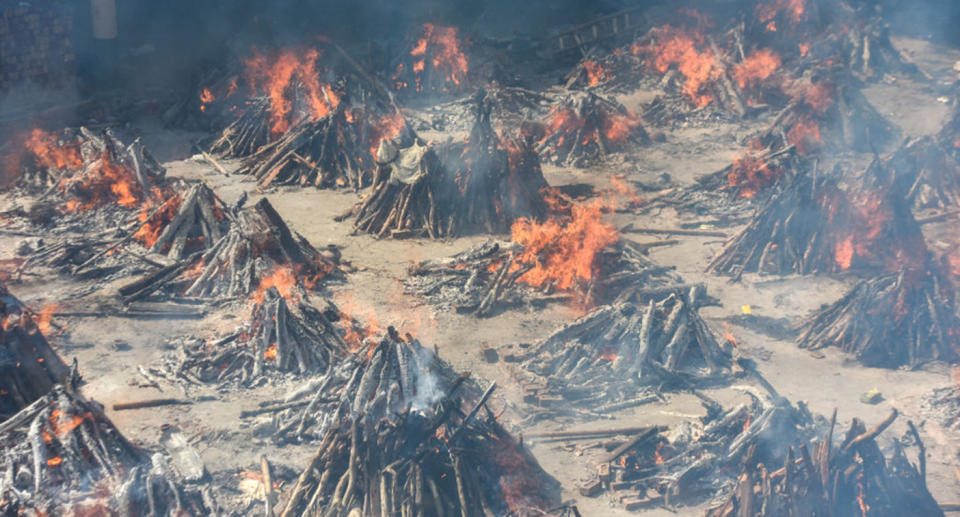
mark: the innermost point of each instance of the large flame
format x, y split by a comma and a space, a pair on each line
441, 47
751, 174
756, 67
564, 253
685, 50
596, 73
50, 153
153, 226
291, 80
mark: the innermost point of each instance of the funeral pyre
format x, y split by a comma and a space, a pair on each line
302, 124
623, 355
577, 256
404, 439
258, 251
482, 184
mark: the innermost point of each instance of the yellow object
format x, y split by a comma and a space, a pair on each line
746, 309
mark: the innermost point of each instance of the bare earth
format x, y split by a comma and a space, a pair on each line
826, 381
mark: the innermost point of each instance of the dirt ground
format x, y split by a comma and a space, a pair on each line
825, 380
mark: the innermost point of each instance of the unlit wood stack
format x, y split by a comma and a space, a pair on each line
247, 133
30, 368
850, 478
60, 446
902, 318
924, 170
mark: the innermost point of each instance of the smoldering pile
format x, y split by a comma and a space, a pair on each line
490, 277
626, 354
63, 456
282, 335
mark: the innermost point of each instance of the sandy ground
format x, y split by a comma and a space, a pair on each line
825, 380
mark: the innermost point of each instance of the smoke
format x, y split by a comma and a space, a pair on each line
428, 387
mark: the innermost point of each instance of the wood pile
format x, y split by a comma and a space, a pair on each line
623, 355
583, 129
389, 374
30, 368
281, 335
334, 151
483, 184
693, 461
79, 170
925, 170
62, 456
899, 318
851, 478
247, 133
489, 277
259, 247
185, 222
811, 226
448, 458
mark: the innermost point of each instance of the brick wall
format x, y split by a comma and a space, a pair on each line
36, 44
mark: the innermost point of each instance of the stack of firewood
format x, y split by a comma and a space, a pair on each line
692, 461
901, 318
30, 367
387, 375
80, 170
482, 184
184, 223
849, 479
811, 226
441, 457
259, 244
62, 446
247, 133
619, 356
925, 170
334, 151
486, 278
584, 128
281, 335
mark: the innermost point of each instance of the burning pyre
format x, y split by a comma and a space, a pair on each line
852, 478
622, 355
435, 63
282, 334
30, 367
578, 257
484, 183
62, 456
693, 461
258, 251
584, 128
403, 439
900, 318
297, 128
79, 171
812, 226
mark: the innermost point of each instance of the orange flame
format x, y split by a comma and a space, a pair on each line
355, 330
441, 46
54, 461
596, 73
564, 252
44, 317
62, 424
151, 229
52, 154
751, 174
270, 353
728, 334
681, 48
756, 67
805, 135
282, 277
291, 75
657, 457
